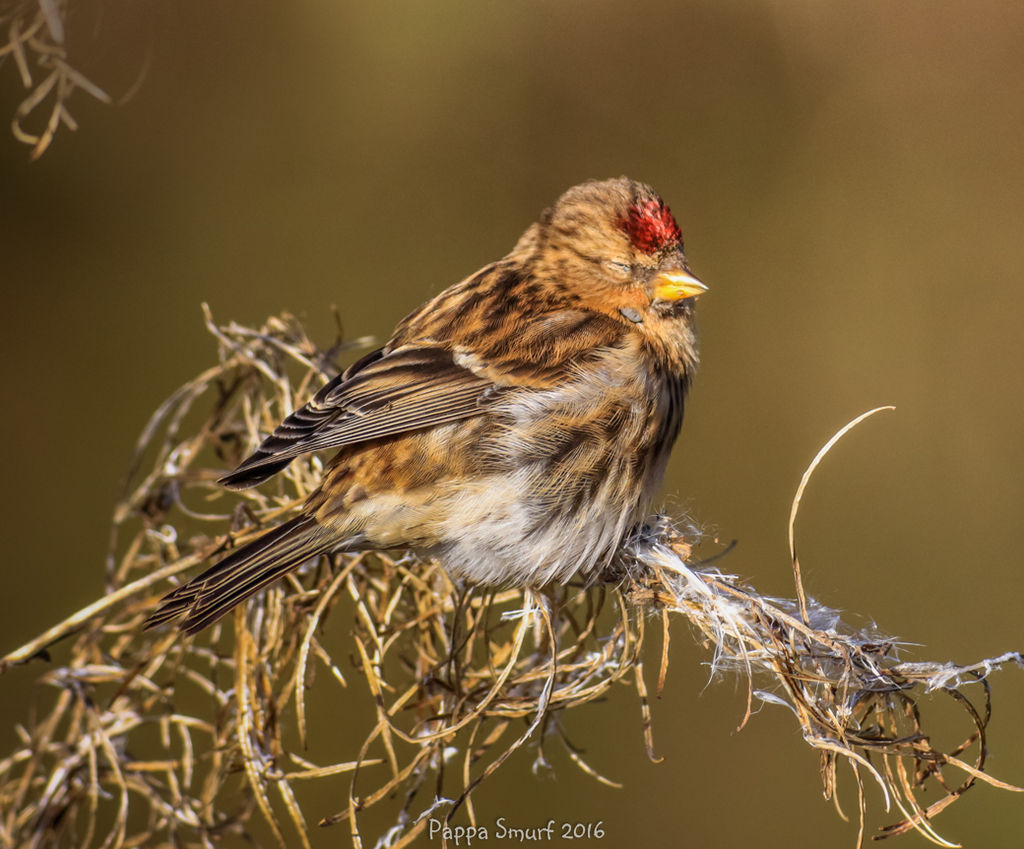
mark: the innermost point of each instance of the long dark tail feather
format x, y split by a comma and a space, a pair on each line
243, 573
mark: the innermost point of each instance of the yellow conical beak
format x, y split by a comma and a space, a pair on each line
676, 284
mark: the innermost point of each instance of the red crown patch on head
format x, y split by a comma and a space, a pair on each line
650, 226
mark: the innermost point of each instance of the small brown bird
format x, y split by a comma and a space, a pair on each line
516, 426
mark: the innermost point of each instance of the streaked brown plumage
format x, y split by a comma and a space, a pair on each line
517, 425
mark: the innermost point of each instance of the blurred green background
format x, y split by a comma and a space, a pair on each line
850, 181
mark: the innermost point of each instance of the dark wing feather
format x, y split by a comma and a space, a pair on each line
384, 394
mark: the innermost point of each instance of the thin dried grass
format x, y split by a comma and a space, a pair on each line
153, 739
35, 45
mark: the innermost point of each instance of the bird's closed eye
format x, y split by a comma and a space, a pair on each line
620, 267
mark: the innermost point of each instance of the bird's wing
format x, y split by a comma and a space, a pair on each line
384, 394
423, 383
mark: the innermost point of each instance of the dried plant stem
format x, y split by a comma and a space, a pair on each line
35, 39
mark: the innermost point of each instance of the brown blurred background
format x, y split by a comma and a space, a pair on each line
850, 181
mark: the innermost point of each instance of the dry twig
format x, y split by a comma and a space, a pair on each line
36, 44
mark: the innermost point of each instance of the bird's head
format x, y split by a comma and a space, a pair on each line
615, 246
